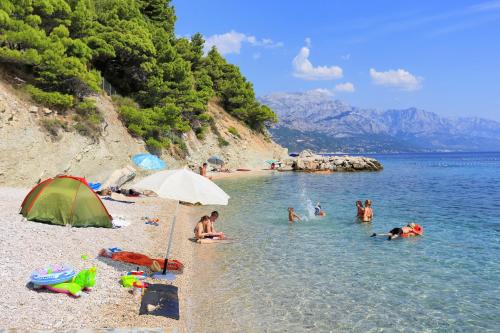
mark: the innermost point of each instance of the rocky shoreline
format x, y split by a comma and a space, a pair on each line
308, 161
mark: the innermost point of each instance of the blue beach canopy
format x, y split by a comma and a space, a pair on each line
216, 160
149, 162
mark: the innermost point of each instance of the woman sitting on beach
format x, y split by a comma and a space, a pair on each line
367, 212
202, 229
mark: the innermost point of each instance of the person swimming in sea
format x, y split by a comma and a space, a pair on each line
292, 216
367, 212
411, 229
361, 209
318, 211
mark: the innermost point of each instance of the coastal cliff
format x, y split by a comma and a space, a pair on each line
30, 149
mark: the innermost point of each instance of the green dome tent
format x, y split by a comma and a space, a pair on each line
65, 200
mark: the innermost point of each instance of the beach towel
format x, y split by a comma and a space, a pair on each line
161, 300
211, 241
143, 260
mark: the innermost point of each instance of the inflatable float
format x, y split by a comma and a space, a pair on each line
417, 231
62, 279
52, 274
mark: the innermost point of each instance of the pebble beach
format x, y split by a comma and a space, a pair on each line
26, 246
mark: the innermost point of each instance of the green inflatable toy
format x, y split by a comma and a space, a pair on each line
84, 280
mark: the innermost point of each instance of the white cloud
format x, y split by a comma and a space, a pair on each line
345, 56
344, 87
308, 42
321, 91
256, 55
341, 87
399, 78
304, 69
485, 6
231, 42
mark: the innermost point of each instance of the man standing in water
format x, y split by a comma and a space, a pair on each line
368, 212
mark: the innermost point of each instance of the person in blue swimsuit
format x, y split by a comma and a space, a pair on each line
318, 211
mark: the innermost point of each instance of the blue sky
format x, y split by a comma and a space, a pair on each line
441, 56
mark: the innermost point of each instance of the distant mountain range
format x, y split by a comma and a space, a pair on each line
313, 120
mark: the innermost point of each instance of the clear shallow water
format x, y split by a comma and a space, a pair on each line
329, 275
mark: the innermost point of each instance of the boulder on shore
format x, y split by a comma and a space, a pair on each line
311, 162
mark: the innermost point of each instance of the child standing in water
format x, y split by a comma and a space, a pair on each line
368, 212
292, 215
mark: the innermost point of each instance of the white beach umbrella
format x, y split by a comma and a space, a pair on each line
182, 185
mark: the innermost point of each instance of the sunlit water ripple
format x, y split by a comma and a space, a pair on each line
329, 275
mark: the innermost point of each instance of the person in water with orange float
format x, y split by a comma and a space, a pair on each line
410, 230
318, 211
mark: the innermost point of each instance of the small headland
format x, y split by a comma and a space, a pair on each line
308, 161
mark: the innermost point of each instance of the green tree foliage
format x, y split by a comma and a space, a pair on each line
236, 93
54, 99
68, 45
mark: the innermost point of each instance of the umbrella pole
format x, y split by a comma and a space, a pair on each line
169, 247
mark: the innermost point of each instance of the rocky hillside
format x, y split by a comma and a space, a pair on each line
28, 151
314, 120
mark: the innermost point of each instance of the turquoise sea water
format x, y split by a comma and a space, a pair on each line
327, 274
